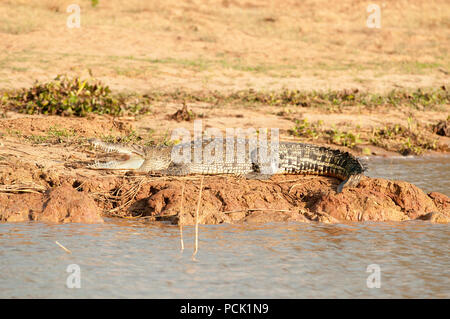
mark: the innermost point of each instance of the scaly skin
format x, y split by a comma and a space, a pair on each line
293, 158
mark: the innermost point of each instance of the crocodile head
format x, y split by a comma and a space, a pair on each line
134, 156
139, 158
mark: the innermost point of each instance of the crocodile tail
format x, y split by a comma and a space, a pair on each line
351, 181
363, 163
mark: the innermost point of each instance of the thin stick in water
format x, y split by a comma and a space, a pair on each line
64, 248
179, 219
196, 218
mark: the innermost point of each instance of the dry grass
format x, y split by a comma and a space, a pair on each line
123, 199
22, 188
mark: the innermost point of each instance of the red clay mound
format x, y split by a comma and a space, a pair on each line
62, 204
225, 199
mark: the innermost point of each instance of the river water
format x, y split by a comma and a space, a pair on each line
129, 259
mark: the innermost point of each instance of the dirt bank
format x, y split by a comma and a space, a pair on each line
43, 177
225, 199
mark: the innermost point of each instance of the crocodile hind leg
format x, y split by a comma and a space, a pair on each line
262, 171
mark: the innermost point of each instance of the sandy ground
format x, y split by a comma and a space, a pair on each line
228, 45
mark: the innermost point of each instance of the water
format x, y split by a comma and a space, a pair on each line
129, 259
428, 173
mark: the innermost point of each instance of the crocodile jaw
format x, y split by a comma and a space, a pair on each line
114, 147
133, 163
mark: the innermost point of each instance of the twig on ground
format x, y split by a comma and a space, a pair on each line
22, 188
259, 209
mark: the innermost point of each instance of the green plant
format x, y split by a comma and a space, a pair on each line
409, 148
406, 140
425, 99
131, 138
348, 139
54, 135
55, 131
305, 129
66, 96
37, 139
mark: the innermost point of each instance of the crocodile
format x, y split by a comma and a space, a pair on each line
242, 158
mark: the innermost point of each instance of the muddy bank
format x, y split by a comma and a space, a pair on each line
224, 199
61, 204
51, 182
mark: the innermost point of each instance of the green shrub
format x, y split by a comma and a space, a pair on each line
66, 96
